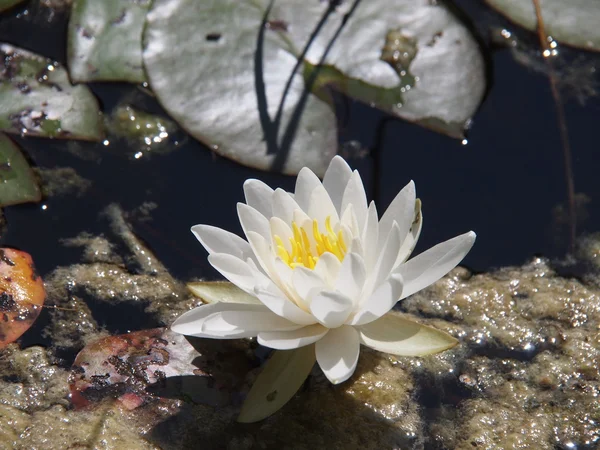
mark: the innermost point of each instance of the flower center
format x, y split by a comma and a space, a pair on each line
306, 250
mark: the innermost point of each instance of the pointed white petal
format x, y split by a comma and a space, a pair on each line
386, 261
278, 302
321, 207
262, 251
413, 234
191, 322
281, 229
337, 353
355, 195
370, 237
305, 281
331, 309
399, 336
279, 379
336, 178
351, 278
286, 340
221, 291
349, 222
284, 205
253, 321
216, 240
380, 302
258, 196
237, 271
253, 221
306, 182
401, 210
328, 267
431, 265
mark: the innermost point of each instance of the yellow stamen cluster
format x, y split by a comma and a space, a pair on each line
306, 253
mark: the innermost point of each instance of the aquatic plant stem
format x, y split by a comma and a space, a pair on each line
562, 124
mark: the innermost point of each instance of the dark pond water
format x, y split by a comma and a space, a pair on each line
504, 183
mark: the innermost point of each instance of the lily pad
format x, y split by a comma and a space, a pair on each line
247, 79
105, 40
5, 4
22, 294
220, 291
573, 22
17, 180
37, 98
123, 366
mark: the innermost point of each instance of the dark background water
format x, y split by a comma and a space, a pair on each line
504, 183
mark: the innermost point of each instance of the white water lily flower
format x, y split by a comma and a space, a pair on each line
321, 268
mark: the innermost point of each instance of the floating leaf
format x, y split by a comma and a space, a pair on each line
220, 291
123, 366
37, 98
236, 74
574, 22
5, 4
17, 181
105, 40
22, 294
280, 379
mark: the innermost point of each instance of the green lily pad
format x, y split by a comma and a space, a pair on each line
105, 40
17, 181
5, 4
573, 22
235, 74
37, 98
220, 291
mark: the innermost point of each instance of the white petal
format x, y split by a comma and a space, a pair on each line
431, 265
306, 182
321, 207
355, 195
351, 278
284, 205
337, 353
191, 322
237, 271
399, 336
286, 340
306, 280
262, 252
216, 240
401, 210
380, 302
386, 261
278, 302
258, 196
281, 229
328, 267
253, 321
336, 178
413, 234
349, 222
253, 221
370, 237
330, 308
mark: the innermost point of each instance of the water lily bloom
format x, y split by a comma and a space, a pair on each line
320, 267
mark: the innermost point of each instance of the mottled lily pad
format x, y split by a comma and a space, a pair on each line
123, 366
105, 40
574, 22
17, 180
37, 98
242, 77
22, 294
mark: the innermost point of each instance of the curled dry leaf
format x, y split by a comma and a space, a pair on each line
123, 366
22, 294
